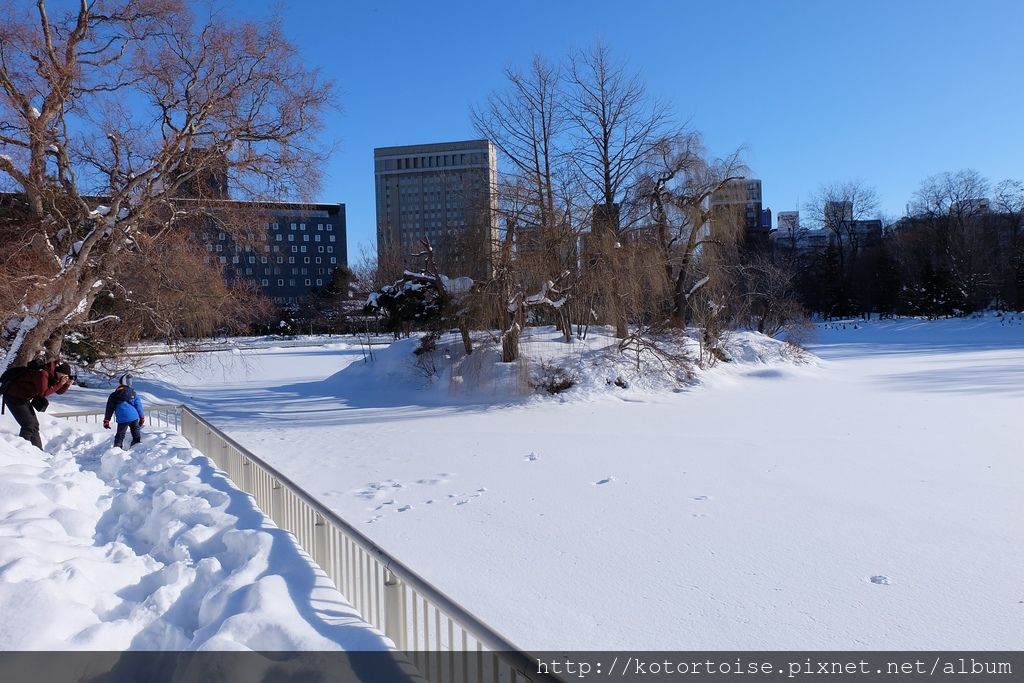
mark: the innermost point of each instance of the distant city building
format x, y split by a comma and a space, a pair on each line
302, 246
788, 221
837, 213
787, 233
971, 207
439, 191
740, 199
298, 249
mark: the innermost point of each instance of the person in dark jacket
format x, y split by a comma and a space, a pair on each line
124, 404
26, 393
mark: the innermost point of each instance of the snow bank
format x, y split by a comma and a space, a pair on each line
150, 549
591, 367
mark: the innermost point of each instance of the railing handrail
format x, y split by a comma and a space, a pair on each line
481, 631
148, 407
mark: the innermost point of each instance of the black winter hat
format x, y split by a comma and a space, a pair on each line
63, 368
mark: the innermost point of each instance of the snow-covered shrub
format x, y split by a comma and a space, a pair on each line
552, 378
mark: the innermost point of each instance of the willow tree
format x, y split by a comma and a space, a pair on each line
114, 117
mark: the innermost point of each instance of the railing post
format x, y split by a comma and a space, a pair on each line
277, 503
320, 542
246, 475
394, 615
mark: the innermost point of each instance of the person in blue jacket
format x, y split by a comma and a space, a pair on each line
126, 406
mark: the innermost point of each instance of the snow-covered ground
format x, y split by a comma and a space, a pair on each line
152, 549
871, 499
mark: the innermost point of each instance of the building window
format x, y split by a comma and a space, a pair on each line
333, 260
307, 282
302, 226
320, 249
265, 282
305, 238
291, 282
220, 247
318, 259
318, 238
280, 259
248, 271
319, 283
319, 226
303, 248
305, 259
291, 238
293, 226
291, 259
280, 283
332, 238
279, 237
223, 259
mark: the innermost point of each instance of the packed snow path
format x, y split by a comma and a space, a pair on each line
872, 500
150, 549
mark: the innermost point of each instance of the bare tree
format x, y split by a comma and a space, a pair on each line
141, 103
953, 207
616, 125
616, 128
677, 184
525, 123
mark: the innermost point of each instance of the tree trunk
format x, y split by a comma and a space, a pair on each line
510, 343
467, 341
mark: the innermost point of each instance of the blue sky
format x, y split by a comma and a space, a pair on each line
884, 92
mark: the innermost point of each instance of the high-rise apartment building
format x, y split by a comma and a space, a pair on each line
740, 200
439, 191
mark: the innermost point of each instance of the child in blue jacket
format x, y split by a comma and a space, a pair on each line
126, 406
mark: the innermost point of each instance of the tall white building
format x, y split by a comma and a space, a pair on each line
788, 221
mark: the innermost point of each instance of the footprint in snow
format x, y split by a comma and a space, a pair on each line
404, 508
701, 498
606, 480
531, 457
466, 498
881, 580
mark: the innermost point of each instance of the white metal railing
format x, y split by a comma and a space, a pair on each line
441, 638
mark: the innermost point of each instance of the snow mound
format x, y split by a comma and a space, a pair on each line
150, 549
597, 365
